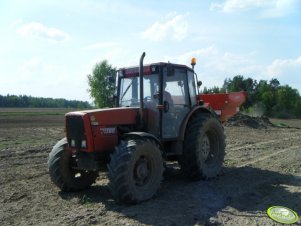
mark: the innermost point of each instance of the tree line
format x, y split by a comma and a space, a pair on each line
268, 98
40, 102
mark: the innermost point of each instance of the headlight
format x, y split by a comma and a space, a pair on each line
72, 143
84, 144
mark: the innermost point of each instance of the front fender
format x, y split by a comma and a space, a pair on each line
144, 135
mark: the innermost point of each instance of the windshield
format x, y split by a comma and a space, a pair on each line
130, 90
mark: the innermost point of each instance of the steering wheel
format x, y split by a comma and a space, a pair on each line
147, 98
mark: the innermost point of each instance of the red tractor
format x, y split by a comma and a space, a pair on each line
160, 116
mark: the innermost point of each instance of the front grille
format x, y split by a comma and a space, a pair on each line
75, 130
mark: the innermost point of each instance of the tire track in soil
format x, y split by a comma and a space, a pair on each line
23, 165
28, 162
243, 155
234, 148
293, 148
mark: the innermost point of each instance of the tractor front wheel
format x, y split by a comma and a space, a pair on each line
63, 172
135, 170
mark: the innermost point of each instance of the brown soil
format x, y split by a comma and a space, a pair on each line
262, 168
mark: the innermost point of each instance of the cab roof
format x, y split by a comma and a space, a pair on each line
157, 64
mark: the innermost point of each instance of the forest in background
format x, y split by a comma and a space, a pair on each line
40, 102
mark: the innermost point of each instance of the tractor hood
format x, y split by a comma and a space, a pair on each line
109, 116
97, 130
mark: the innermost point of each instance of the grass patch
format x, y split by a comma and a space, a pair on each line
281, 124
30, 113
286, 123
86, 201
35, 111
229, 163
23, 141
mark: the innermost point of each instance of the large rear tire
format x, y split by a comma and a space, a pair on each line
62, 173
204, 147
135, 170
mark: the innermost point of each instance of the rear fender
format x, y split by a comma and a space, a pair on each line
200, 109
178, 146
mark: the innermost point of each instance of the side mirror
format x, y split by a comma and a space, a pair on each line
199, 83
112, 100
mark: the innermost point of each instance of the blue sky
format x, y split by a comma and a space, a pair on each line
47, 48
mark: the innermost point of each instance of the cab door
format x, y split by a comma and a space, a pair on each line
175, 99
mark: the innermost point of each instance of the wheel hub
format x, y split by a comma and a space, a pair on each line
141, 171
205, 147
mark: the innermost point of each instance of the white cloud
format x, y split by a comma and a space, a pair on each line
15, 23
173, 26
271, 8
287, 71
211, 59
37, 30
284, 67
213, 66
238, 5
282, 8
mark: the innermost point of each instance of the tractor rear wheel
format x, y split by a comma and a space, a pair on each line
204, 147
62, 170
135, 170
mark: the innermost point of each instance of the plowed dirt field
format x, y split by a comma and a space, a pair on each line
262, 168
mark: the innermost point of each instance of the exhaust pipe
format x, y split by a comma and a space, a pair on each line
141, 89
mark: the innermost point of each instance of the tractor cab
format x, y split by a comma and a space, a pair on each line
169, 94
